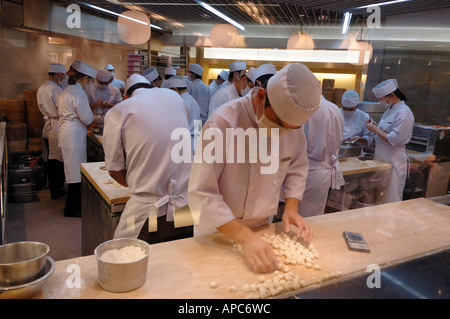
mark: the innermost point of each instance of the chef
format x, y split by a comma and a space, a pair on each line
137, 143
238, 86
168, 73
392, 134
103, 95
355, 130
250, 78
215, 84
115, 82
152, 75
263, 73
199, 90
75, 115
324, 135
234, 197
68, 80
47, 97
179, 85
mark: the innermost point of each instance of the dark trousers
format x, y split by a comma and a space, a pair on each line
166, 232
55, 175
73, 200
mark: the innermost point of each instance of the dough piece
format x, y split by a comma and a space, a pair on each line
213, 285
246, 288
103, 168
317, 267
308, 265
261, 279
109, 182
232, 289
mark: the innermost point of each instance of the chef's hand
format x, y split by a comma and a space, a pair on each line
292, 217
259, 255
371, 125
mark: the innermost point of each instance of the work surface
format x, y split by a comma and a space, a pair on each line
184, 269
352, 165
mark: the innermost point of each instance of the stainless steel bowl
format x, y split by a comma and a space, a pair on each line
30, 289
122, 277
22, 262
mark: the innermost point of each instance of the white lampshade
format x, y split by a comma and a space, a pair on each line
300, 41
134, 27
224, 35
364, 49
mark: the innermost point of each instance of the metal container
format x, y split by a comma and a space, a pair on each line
122, 277
29, 289
22, 262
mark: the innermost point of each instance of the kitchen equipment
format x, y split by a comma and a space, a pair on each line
122, 277
29, 289
431, 139
22, 262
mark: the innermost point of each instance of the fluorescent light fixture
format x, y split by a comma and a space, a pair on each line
220, 14
346, 23
121, 15
381, 4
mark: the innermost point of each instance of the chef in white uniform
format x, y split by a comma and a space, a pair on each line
230, 92
168, 73
116, 82
199, 90
152, 75
392, 134
75, 115
250, 79
324, 135
47, 97
179, 85
355, 130
137, 143
215, 84
234, 197
263, 73
103, 95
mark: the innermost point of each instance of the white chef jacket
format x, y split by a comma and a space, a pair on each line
137, 137
221, 192
164, 84
355, 125
194, 115
47, 98
324, 135
74, 116
222, 96
398, 123
118, 84
110, 95
213, 87
200, 92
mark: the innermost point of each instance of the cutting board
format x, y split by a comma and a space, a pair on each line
395, 233
352, 165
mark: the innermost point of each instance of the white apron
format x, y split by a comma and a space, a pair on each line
54, 151
139, 208
73, 143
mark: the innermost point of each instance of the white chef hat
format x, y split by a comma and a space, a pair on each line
177, 82
196, 68
350, 98
135, 79
151, 74
238, 66
103, 76
264, 70
56, 68
384, 88
75, 64
224, 75
170, 71
294, 94
251, 74
109, 67
84, 69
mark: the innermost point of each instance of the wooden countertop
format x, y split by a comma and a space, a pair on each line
352, 165
395, 233
97, 174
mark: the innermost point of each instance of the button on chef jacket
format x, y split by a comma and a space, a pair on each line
194, 115
137, 137
222, 96
324, 135
74, 115
200, 92
398, 123
221, 192
355, 125
47, 97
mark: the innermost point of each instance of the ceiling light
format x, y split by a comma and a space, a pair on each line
381, 4
346, 23
220, 14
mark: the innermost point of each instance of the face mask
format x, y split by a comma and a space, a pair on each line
191, 77
384, 104
348, 113
264, 122
112, 74
245, 91
102, 87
